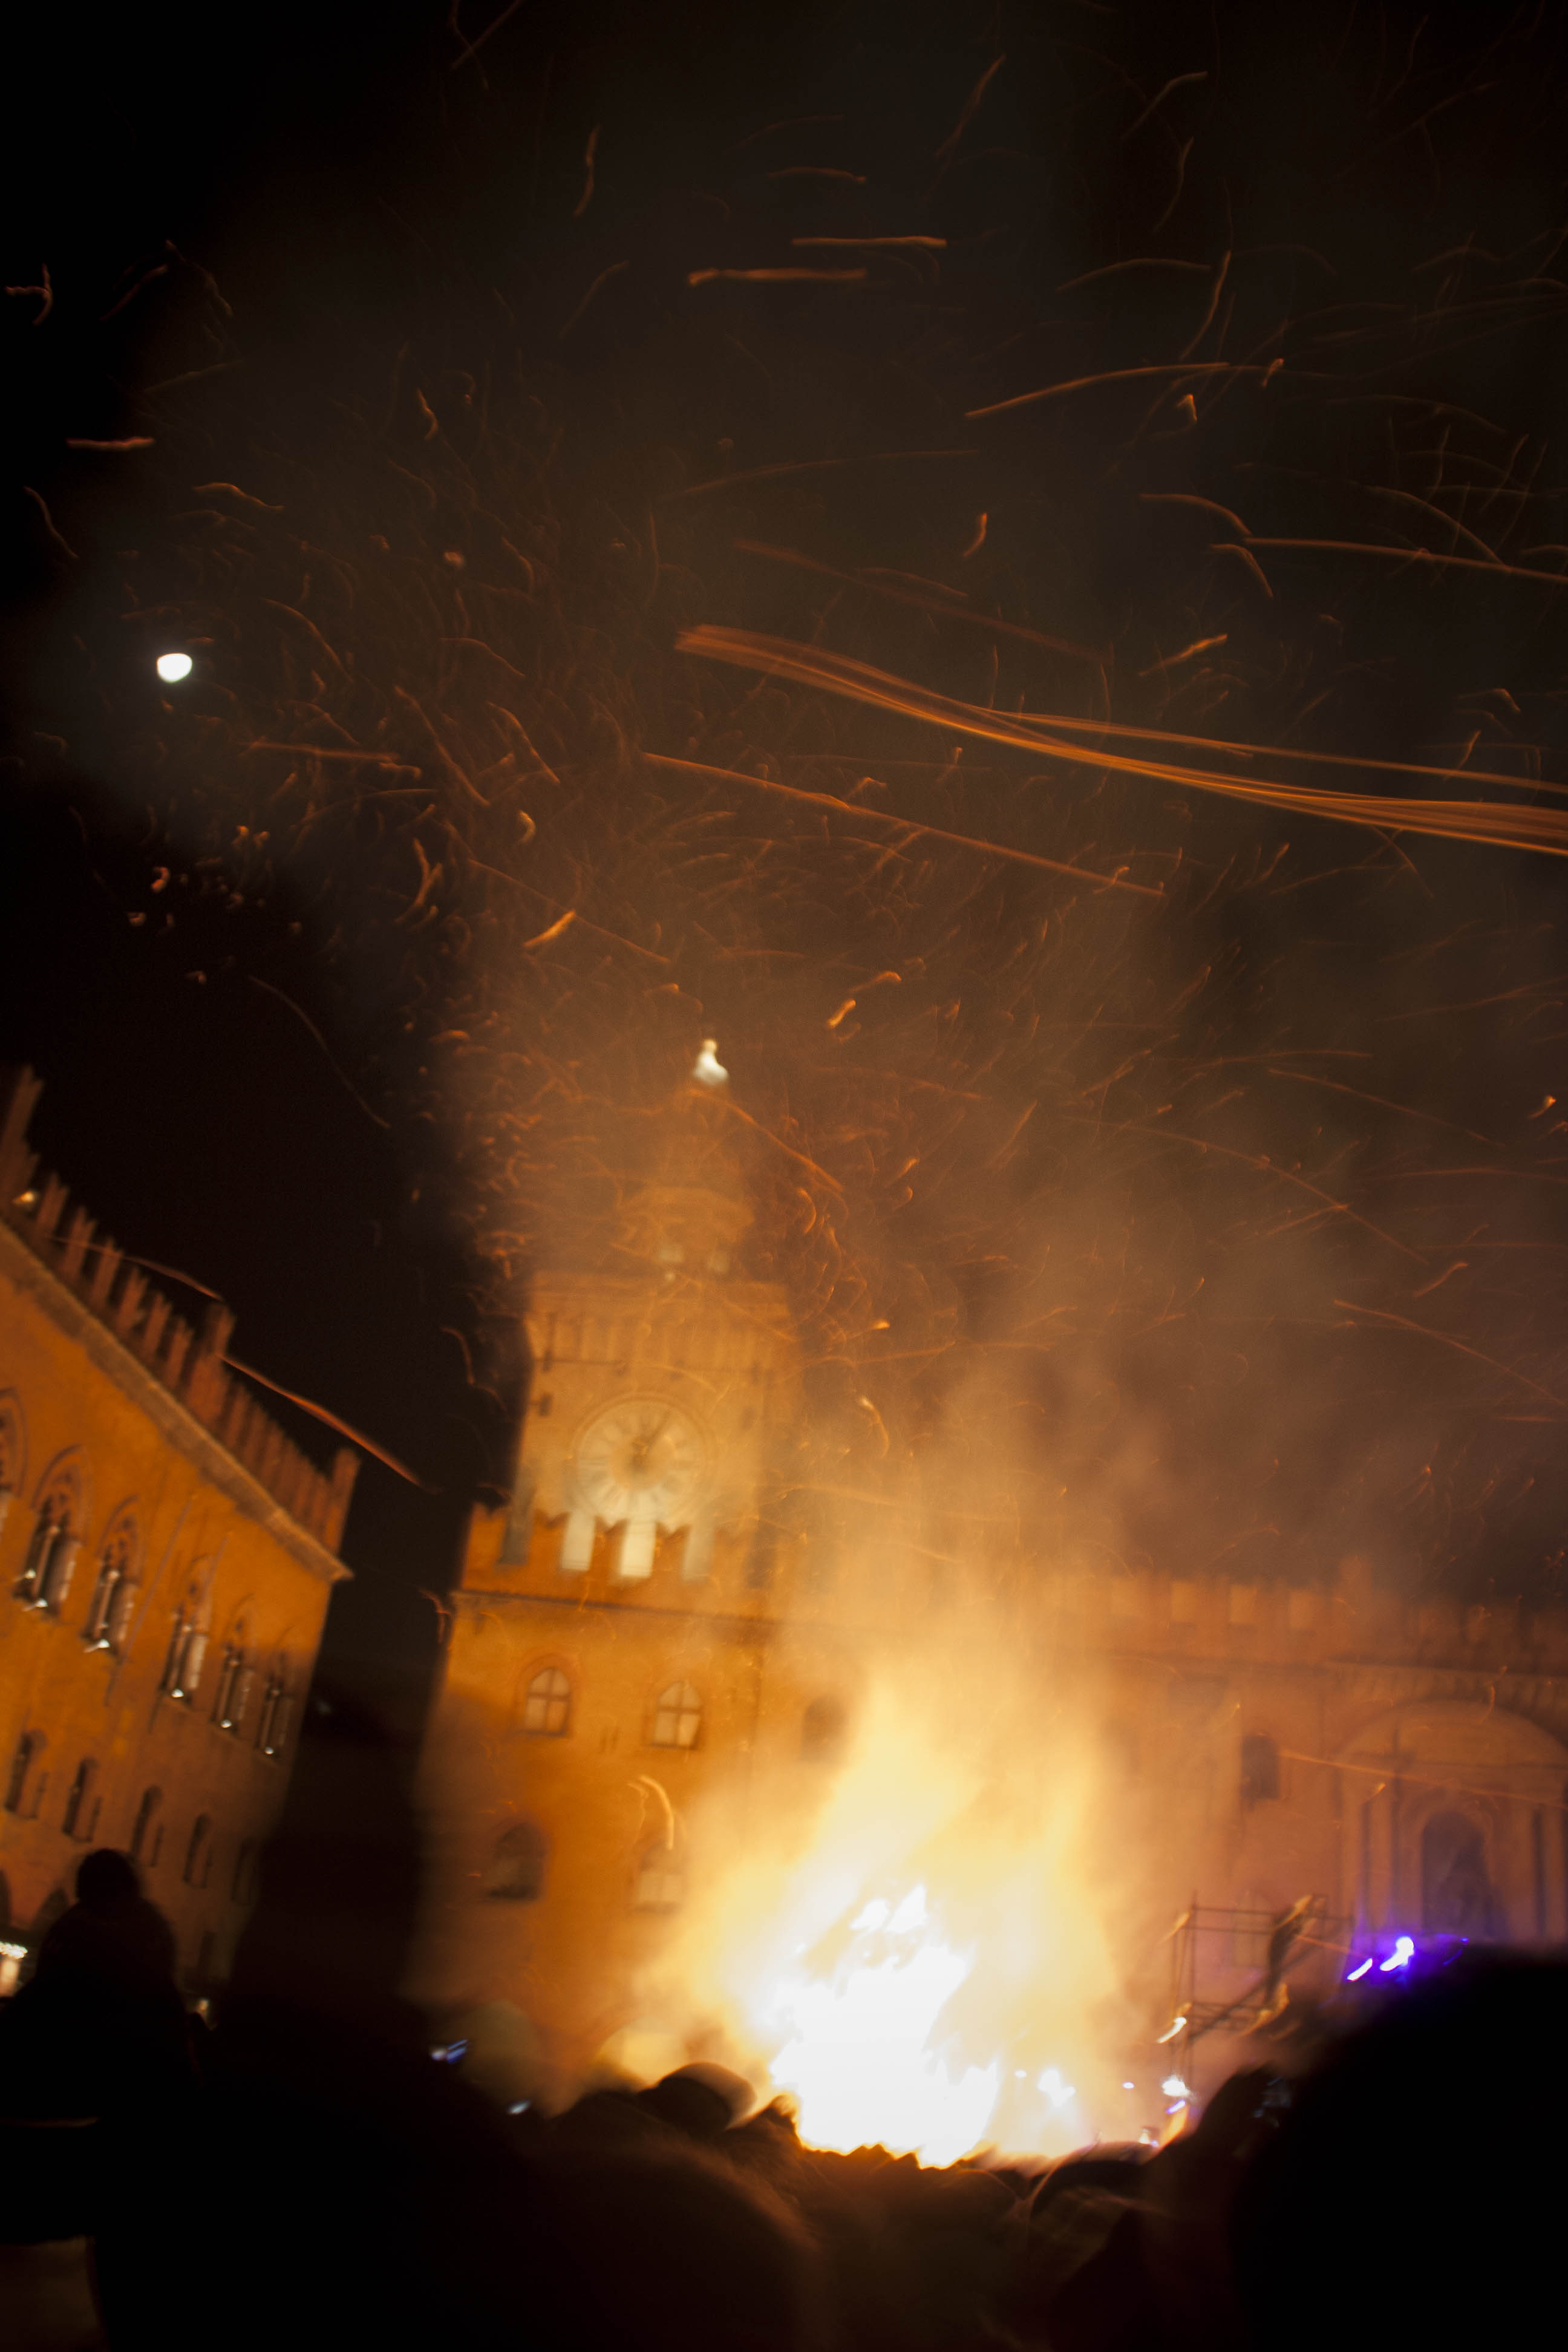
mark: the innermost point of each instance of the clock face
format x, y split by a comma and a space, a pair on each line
642, 1459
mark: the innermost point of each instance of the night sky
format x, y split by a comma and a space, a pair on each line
414, 323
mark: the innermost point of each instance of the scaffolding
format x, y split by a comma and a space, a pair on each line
1209, 1941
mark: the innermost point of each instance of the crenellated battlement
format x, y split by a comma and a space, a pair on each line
190, 1361
1345, 1615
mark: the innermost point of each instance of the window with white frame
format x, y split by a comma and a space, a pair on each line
233, 1685
547, 1705
187, 1648
276, 1713
45, 1575
114, 1589
676, 1717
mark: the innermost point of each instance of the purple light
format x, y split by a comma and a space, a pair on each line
1356, 1974
1404, 1952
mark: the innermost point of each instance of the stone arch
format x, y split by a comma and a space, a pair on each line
1471, 1766
66, 1480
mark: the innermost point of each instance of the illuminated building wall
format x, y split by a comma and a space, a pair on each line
166, 1557
647, 1625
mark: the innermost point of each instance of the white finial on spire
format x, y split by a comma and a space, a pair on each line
707, 1069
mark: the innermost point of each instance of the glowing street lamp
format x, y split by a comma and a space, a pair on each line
173, 667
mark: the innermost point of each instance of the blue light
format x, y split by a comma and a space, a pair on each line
1356, 1975
1404, 1952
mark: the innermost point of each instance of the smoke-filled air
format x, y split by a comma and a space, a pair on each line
1029, 625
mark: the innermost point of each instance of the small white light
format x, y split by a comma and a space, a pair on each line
173, 667
1130, 2086
707, 1069
1174, 2088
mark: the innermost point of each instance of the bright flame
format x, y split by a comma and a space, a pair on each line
708, 1069
918, 1953
859, 2054
173, 667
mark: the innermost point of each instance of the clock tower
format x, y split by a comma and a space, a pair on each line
612, 1666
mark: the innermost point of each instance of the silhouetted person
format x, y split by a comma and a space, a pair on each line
1413, 2190
100, 2029
93, 2053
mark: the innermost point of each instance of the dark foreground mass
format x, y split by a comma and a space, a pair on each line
307, 2177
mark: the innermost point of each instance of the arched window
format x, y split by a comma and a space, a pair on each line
822, 1730
147, 1834
233, 1684
516, 1873
81, 1816
114, 1592
661, 1882
1457, 1896
547, 1705
243, 1886
45, 1575
20, 1785
676, 1717
1259, 1767
199, 1851
277, 1714
187, 1649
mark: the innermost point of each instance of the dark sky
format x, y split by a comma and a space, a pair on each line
299, 208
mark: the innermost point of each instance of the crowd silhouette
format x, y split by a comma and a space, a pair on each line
304, 2175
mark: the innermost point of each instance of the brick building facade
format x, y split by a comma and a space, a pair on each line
167, 1558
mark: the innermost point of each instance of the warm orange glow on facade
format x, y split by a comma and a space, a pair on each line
166, 1557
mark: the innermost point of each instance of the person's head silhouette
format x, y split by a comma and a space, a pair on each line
107, 1876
